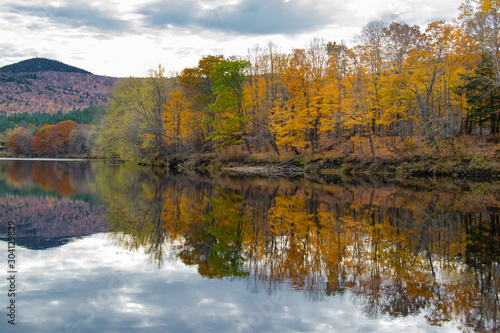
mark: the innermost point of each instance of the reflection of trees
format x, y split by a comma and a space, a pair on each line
43, 220
398, 252
151, 211
135, 199
483, 245
34, 194
216, 244
20, 174
64, 178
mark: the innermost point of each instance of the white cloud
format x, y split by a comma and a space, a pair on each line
122, 38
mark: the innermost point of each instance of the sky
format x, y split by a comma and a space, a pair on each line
129, 37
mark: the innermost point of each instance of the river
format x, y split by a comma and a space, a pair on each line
114, 247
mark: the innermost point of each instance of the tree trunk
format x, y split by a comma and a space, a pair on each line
247, 144
493, 123
372, 148
311, 139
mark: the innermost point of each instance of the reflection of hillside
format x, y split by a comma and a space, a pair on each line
43, 222
64, 178
399, 251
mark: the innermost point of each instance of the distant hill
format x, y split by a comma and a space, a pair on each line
38, 65
49, 86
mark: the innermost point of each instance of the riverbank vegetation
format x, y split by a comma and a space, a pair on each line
398, 89
49, 135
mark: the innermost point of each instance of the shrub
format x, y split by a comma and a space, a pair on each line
20, 143
53, 139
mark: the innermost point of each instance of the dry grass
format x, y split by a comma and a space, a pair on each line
389, 148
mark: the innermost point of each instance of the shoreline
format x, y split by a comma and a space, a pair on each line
415, 166
470, 167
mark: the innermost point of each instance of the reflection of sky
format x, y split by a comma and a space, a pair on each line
93, 285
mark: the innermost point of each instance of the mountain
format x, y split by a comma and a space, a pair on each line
37, 65
43, 85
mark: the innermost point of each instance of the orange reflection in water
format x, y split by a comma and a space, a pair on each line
401, 252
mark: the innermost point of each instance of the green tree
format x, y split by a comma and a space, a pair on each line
228, 109
198, 90
133, 124
483, 98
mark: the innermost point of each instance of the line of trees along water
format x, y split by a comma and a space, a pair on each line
423, 87
42, 134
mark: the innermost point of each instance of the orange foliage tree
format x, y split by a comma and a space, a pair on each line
53, 139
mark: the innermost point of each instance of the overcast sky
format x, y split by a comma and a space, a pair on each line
128, 37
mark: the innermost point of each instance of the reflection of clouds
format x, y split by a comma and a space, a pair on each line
64, 285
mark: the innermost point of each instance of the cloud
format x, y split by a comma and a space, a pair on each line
73, 14
417, 12
10, 52
247, 17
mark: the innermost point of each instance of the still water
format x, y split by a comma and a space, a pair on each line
111, 247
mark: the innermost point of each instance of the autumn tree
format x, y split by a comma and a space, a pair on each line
53, 140
265, 88
175, 119
197, 87
396, 96
20, 143
317, 57
358, 100
334, 92
297, 118
40, 140
481, 19
295, 98
133, 124
372, 49
81, 140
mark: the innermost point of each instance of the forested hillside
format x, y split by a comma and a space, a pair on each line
85, 116
42, 85
37, 65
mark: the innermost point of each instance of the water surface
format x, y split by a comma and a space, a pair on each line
106, 247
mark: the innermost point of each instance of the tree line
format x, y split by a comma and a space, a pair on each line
65, 137
397, 81
42, 134
415, 87
81, 116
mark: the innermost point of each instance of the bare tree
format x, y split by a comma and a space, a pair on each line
21, 143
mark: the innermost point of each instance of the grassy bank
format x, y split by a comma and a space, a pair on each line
453, 167
471, 156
